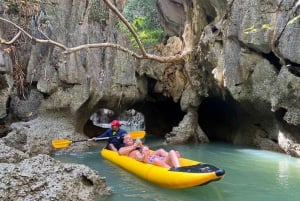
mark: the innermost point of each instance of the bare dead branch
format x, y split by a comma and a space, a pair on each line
33, 38
162, 59
2, 41
10, 22
102, 45
128, 25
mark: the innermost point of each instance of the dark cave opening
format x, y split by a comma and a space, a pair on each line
279, 114
218, 118
92, 130
210, 12
100, 120
161, 116
293, 68
161, 113
273, 59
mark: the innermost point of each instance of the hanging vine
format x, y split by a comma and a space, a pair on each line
18, 73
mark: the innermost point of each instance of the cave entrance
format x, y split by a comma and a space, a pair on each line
156, 117
157, 114
160, 116
218, 118
100, 120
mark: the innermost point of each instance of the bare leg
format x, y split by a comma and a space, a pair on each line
160, 163
172, 159
178, 154
161, 152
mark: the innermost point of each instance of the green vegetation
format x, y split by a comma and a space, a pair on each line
294, 20
143, 17
254, 29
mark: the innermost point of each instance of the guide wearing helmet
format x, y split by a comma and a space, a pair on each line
115, 134
115, 123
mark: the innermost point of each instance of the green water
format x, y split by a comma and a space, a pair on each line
251, 175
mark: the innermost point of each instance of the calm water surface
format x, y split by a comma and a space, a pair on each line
251, 175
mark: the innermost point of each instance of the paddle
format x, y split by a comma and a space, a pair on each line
63, 143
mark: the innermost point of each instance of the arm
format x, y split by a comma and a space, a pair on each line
107, 133
126, 150
139, 156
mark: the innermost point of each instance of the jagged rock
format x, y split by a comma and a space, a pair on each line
285, 95
187, 131
35, 136
289, 144
43, 178
172, 16
25, 109
11, 155
247, 42
4, 91
262, 141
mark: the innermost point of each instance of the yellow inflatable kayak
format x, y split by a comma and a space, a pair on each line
192, 173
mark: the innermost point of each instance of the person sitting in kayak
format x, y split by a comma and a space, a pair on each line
142, 153
115, 134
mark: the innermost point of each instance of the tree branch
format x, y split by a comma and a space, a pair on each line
162, 59
49, 41
102, 45
2, 41
128, 25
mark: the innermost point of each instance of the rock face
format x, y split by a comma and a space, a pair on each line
43, 178
246, 55
172, 17
256, 69
243, 54
239, 82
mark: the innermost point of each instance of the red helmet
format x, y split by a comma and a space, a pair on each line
115, 123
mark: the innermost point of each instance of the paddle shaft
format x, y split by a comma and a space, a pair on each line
63, 143
97, 139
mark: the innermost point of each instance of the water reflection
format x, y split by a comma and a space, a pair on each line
283, 173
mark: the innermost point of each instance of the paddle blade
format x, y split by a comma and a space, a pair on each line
137, 134
63, 143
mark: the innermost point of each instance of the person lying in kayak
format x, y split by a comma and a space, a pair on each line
160, 157
142, 153
115, 134
130, 147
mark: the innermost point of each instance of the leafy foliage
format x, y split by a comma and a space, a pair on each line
143, 17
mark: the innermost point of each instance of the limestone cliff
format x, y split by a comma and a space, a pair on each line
238, 82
